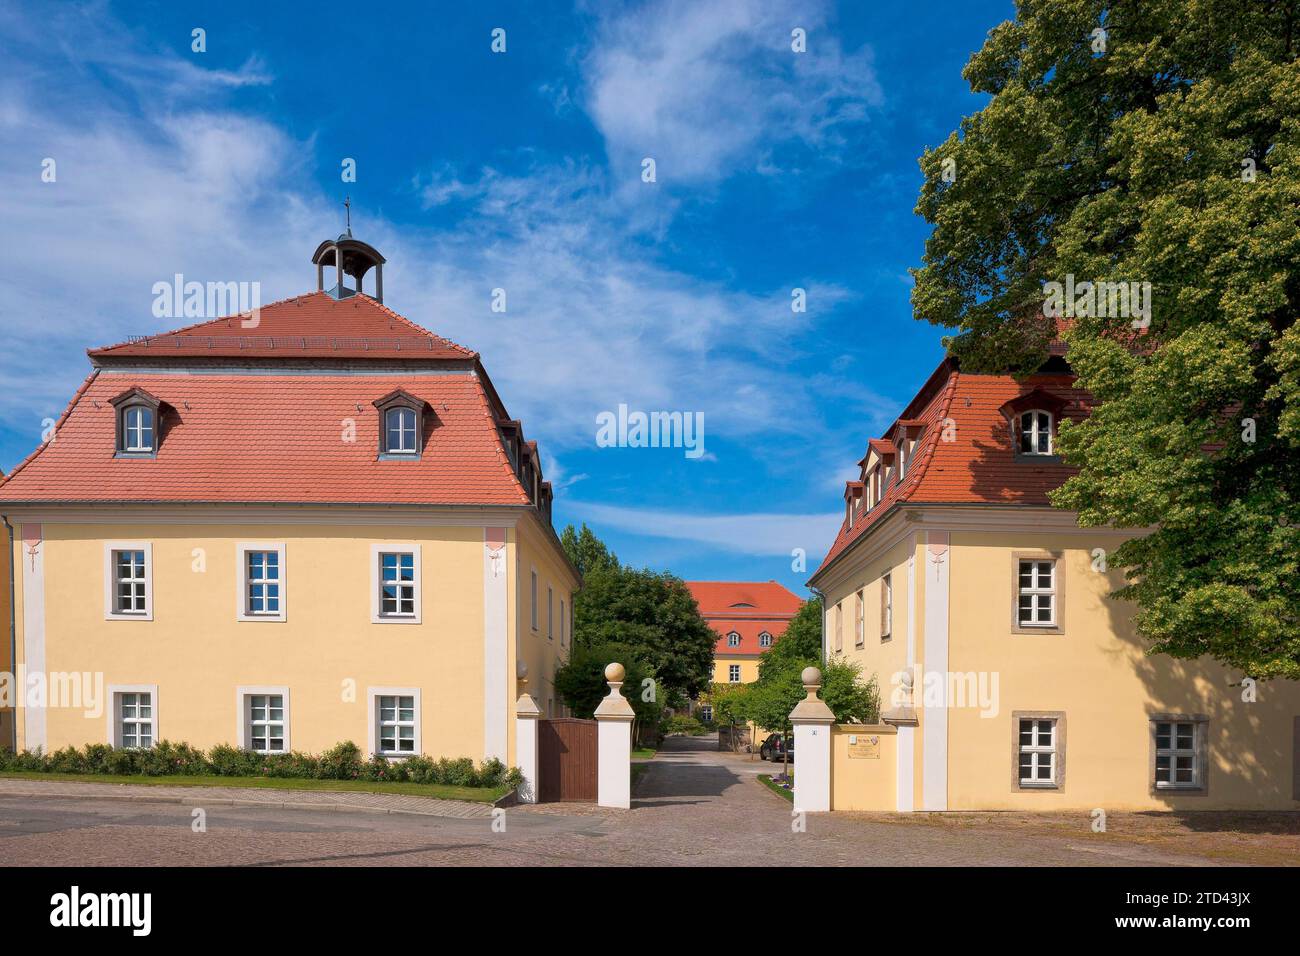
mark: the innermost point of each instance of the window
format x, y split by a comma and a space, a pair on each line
886, 606
266, 723
399, 429
1036, 432
261, 582
562, 622
128, 580
733, 639
764, 639
1038, 752
1179, 745
1036, 593
733, 673
534, 599
550, 616
396, 725
401, 424
859, 622
902, 459
135, 719
138, 416
395, 583
137, 429
839, 627
706, 713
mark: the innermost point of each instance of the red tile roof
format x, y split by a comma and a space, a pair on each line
278, 430
978, 465
314, 325
746, 607
273, 438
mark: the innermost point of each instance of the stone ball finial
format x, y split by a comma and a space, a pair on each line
615, 672
906, 679
521, 670
811, 675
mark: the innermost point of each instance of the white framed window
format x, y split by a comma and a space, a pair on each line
1036, 592
261, 576
764, 639
733, 673
137, 429
400, 431
395, 583
1037, 747
706, 713
563, 624
1036, 432
1178, 746
394, 721
263, 724
550, 613
533, 593
839, 626
860, 621
133, 715
886, 606
903, 448
128, 580
733, 639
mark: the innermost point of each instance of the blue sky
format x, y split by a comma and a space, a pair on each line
520, 171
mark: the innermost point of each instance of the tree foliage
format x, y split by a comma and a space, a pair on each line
1165, 149
581, 680
652, 613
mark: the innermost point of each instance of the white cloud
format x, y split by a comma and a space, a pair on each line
762, 535
703, 87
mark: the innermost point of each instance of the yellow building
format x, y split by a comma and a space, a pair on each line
1029, 686
309, 523
748, 618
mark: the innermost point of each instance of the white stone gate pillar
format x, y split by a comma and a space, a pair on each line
527, 713
614, 719
812, 721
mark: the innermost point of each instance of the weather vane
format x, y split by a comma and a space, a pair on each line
347, 207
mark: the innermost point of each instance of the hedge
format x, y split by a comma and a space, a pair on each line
341, 762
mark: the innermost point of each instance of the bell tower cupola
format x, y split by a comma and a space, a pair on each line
348, 257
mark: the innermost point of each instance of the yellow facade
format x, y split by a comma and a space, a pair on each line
748, 664
954, 576
329, 655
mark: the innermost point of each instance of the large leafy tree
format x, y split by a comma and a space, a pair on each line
652, 613
1148, 141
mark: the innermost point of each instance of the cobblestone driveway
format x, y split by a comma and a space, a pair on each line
694, 806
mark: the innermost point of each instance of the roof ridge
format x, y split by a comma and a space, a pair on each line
55, 434
187, 328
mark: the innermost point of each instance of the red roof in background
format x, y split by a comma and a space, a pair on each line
979, 466
314, 325
746, 607
273, 438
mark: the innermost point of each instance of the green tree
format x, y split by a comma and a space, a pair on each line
800, 645
587, 552
653, 613
581, 682
1147, 141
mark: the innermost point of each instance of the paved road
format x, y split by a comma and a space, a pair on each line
694, 806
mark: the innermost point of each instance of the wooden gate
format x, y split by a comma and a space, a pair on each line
566, 760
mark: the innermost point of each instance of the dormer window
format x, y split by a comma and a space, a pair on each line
1036, 432
733, 639
401, 425
138, 427
399, 430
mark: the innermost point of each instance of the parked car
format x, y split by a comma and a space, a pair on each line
775, 747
